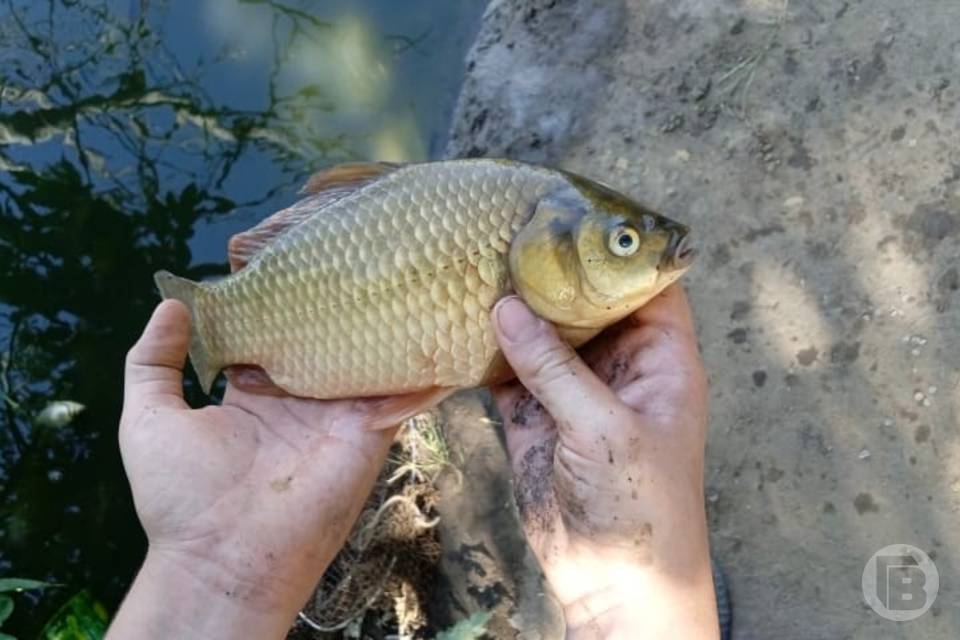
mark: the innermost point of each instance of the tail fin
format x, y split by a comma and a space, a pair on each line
185, 291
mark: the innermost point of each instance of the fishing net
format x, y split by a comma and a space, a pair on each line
384, 573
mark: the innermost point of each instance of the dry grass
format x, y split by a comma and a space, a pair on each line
385, 572
739, 78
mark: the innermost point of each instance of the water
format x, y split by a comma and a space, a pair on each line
138, 135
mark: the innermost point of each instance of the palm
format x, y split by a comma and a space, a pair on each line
259, 478
275, 460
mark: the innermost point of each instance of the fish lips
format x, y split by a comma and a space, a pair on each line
679, 254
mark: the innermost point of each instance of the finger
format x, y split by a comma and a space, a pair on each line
667, 313
665, 370
154, 368
552, 370
658, 338
668, 310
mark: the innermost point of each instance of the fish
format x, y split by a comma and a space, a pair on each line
381, 280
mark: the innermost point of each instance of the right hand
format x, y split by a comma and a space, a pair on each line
608, 455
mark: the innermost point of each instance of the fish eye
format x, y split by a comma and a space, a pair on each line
624, 241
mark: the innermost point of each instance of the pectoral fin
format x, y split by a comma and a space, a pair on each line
383, 413
253, 379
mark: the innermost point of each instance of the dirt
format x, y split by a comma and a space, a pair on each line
814, 147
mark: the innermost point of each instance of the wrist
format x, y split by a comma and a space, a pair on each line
649, 605
609, 593
176, 596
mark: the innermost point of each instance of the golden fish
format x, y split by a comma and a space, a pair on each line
381, 281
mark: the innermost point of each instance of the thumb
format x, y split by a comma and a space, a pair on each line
154, 368
551, 370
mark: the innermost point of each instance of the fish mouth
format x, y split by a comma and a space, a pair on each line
679, 255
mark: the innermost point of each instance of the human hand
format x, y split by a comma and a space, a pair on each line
244, 504
607, 453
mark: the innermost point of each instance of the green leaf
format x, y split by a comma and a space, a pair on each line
473, 628
22, 584
6, 608
6, 636
81, 618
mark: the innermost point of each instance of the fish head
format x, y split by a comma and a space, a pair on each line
590, 256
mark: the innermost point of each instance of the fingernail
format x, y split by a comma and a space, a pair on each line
516, 321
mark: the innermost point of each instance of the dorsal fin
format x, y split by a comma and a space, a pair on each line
243, 246
325, 187
352, 175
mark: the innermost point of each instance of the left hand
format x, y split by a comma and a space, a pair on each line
244, 504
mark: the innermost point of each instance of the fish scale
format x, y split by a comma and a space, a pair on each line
383, 292
382, 279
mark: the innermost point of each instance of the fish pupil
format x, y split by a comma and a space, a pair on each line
625, 241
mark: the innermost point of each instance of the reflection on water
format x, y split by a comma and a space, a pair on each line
129, 129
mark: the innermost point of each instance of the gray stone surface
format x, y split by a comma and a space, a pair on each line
814, 147
487, 566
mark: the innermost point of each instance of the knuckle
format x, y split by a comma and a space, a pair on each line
554, 364
132, 359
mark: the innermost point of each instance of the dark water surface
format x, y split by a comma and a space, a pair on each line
138, 135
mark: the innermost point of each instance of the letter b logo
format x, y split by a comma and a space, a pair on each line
900, 582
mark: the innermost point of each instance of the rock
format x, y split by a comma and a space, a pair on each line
812, 206
521, 64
